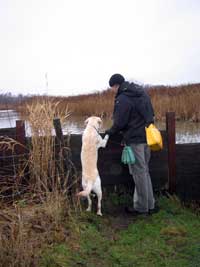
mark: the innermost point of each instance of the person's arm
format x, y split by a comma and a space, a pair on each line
120, 117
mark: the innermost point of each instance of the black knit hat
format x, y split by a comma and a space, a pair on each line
116, 79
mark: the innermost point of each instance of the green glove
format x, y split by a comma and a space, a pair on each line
128, 155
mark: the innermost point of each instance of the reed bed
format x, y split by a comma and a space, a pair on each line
42, 160
100, 104
182, 99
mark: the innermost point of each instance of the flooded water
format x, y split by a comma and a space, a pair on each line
186, 132
8, 118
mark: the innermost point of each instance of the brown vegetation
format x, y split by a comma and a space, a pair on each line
36, 216
26, 229
100, 103
183, 99
42, 162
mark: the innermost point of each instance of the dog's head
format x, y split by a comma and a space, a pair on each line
94, 121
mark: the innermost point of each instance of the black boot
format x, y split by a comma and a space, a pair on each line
134, 212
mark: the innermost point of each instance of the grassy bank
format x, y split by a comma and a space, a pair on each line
29, 226
168, 238
183, 99
48, 235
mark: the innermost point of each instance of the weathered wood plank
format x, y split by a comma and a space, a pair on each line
188, 171
7, 157
20, 137
112, 171
11, 132
180, 163
64, 156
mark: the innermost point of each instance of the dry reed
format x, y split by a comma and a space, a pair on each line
182, 99
42, 150
37, 218
26, 230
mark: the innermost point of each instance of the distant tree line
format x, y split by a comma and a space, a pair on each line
10, 99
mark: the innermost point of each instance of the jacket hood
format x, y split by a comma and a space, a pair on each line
130, 89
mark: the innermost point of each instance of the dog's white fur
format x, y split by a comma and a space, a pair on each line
91, 142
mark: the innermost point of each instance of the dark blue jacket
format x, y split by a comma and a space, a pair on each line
132, 112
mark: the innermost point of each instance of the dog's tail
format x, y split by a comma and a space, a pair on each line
87, 190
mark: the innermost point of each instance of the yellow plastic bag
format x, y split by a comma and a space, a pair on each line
154, 138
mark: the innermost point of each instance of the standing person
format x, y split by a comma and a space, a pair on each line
132, 112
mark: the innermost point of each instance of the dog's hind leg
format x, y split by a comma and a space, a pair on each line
98, 191
99, 196
89, 203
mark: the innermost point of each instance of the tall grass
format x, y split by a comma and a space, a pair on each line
37, 218
183, 99
42, 163
27, 229
100, 103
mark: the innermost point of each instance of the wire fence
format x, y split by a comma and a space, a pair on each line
24, 171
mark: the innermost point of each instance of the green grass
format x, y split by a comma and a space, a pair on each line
168, 238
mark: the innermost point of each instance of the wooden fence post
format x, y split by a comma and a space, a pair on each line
171, 143
20, 137
58, 131
62, 154
59, 144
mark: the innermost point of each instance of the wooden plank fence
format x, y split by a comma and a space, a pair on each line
175, 168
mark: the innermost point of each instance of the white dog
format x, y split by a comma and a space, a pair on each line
91, 142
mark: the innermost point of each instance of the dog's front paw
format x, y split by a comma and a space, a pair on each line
105, 140
106, 137
103, 143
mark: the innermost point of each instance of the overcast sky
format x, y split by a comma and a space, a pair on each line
76, 45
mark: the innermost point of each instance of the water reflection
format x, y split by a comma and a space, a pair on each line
75, 125
186, 132
8, 118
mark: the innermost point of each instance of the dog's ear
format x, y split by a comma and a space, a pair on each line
86, 121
